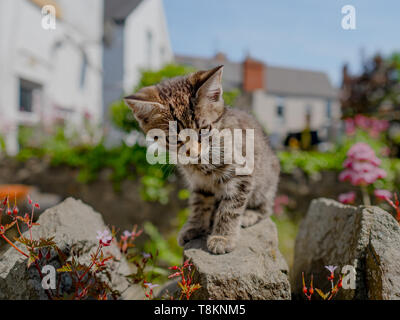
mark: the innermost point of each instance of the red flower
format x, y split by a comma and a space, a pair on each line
382, 194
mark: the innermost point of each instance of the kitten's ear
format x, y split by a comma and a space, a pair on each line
210, 85
143, 108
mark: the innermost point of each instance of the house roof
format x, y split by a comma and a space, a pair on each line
288, 81
278, 80
119, 9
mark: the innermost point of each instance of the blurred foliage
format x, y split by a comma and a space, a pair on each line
395, 60
375, 86
2, 144
124, 161
230, 96
287, 231
25, 135
121, 116
150, 77
312, 162
170, 253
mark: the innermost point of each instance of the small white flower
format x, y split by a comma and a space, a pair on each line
331, 268
146, 255
104, 237
151, 286
127, 233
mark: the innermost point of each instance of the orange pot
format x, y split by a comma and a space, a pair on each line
19, 191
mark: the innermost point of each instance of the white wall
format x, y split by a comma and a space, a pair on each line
28, 51
147, 17
295, 110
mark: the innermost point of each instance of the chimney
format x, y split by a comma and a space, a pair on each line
253, 75
220, 57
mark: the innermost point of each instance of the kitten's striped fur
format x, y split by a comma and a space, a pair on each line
220, 201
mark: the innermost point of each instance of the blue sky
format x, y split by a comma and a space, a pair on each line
302, 34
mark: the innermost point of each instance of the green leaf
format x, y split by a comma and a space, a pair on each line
65, 268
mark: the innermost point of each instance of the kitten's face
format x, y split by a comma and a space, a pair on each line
193, 102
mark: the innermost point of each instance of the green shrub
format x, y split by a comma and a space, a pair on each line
2, 144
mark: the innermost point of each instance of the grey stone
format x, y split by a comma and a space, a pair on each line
254, 270
365, 237
74, 226
168, 289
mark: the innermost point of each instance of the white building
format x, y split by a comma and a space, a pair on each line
49, 74
59, 75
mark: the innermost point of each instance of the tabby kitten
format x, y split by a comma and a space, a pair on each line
221, 201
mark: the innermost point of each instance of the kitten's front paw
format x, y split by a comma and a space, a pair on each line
189, 232
249, 218
220, 244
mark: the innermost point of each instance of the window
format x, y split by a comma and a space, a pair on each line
280, 112
149, 44
308, 115
329, 109
84, 66
308, 110
28, 91
162, 54
280, 109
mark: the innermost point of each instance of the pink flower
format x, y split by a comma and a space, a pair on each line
347, 198
104, 237
362, 121
372, 125
378, 126
350, 126
363, 152
358, 165
383, 194
280, 202
361, 166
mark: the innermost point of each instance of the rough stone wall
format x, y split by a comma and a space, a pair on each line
367, 238
255, 270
